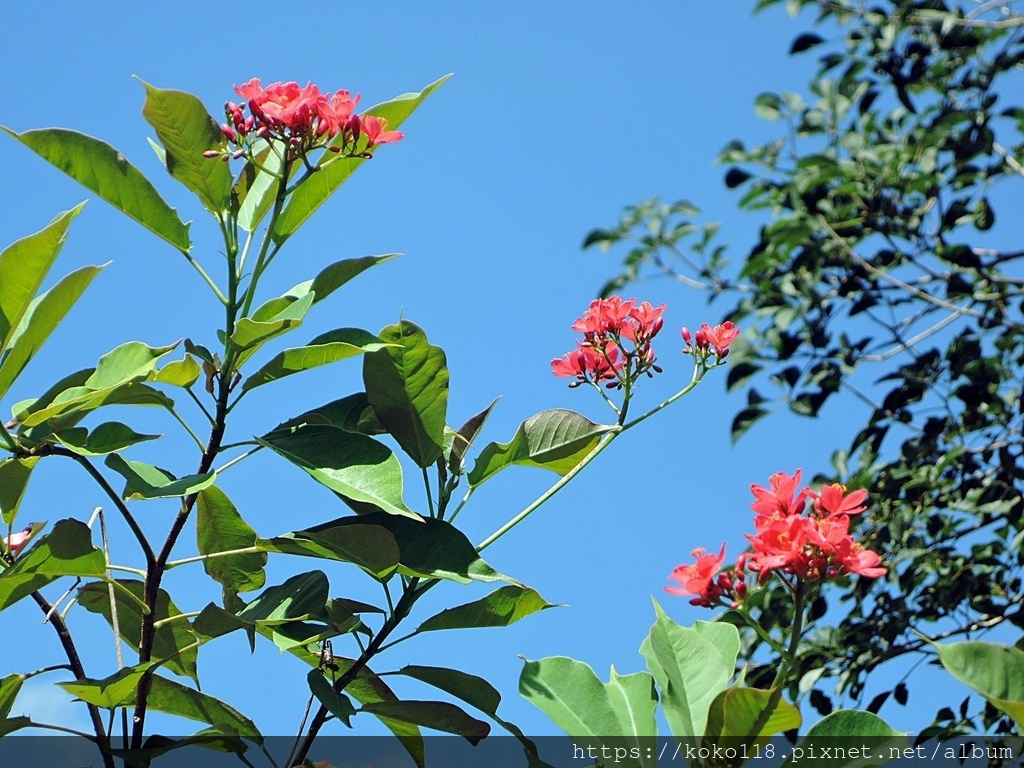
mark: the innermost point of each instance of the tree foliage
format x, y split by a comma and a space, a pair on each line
886, 270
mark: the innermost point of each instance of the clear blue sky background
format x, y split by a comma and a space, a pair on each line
558, 115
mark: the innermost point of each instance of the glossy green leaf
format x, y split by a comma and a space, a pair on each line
187, 130
407, 385
371, 547
464, 437
257, 188
691, 668
557, 440
994, 670
110, 692
9, 688
144, 481
129, 363
299, 598
23, 267
338, 704
214, 621
66, 551
356, 466
312, 193
352, 412
335, 275
220, 738
500, 608
846, 730
275, 318
179, 373
735, 711
570, 694
109, 437
220, 528
14, 476
171, 637
101, 168
438, 715
327, 348
44, 314
177, 699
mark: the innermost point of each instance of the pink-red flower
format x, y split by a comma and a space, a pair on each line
833, 500
374, 127
589, 364
699, 578
17, 541
779, 502
719, 337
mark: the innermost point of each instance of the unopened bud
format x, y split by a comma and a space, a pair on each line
686, 336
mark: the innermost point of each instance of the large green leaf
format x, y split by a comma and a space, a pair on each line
44, 314
438, 715
66, 551
845, 731
299, 598
110, 692
179, 373
429, 548
172, 637
14, 475
367, 688
335, 275
356, 466
557, 440
691, 668
144, 481
257, 187
23, 267
177, 699
574, 698
338, 704
187, 131
220, 528
220, 738
9, 688
108, 437
104, 170
371, 547
312, 193
994, 670
352, 412
327, 348
407, 385
735, 712
500, 608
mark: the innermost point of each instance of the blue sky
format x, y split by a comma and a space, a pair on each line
558, 115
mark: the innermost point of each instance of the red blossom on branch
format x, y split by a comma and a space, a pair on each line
17, 541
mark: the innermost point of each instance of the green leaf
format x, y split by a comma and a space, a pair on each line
500, 608
338, 704
367, 688
407, 385
352, 412
371, 547
220, 738
335, 275
846, 730
356, 466
111, 692
179, 373
219, 528
691, 667
269, 321
994, 670
171, 638
464, 436
327, 348
66, 551
257, 188
187, 131
23, 267
299, 598
312, 193
633, 699
557, 440
14, 475
9, 688
101, 168
438, 715
11, 724
177, 699
735, 711
144, 481
570, 694
429, 548
109, 437
44, 314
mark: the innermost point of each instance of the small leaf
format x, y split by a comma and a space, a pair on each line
557, 440
109, 437
500, 608
407, 385
356, 466
14, 476
220, 528
187, 131
253, 332
735, 711
9, 688
144, 481
179, 373
104, 170
257, 188
464, 437
110, 692
327, 348
805, 42
438, 715
744, 420
338, 704
312, 193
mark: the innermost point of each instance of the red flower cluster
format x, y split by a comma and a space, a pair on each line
616, 343
302, 117
719, 338
816, 546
